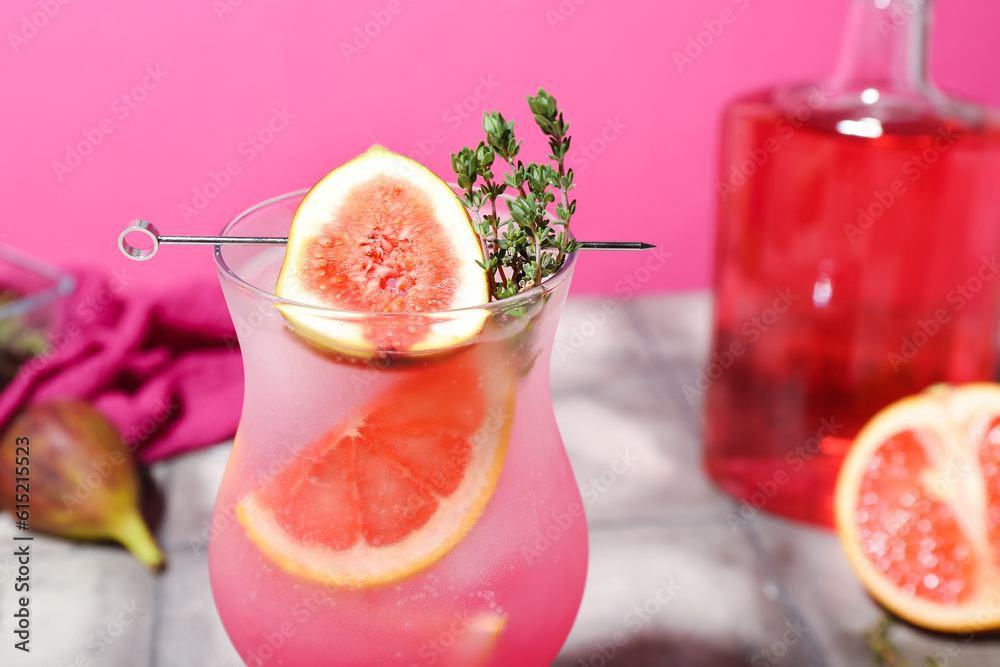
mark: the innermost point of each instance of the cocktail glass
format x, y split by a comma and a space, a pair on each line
496, 571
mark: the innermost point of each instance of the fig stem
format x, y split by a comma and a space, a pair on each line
133, 533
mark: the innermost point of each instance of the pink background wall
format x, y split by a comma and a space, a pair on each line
224, 66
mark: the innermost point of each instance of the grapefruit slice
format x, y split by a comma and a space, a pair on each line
917, 507
393, 489
383, 234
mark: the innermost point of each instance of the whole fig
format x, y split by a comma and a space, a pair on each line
82, 482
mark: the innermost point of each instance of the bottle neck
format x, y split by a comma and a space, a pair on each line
885, 48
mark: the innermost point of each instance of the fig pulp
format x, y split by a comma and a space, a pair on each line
383, 235
82, 482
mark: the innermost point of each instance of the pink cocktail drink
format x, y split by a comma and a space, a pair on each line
485, 567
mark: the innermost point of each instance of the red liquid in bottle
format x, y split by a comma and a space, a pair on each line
851, 271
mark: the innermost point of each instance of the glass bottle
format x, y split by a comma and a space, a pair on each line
857, 224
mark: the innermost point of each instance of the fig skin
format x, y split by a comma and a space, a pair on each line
83, 481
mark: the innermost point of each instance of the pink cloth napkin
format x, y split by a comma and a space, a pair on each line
163, 367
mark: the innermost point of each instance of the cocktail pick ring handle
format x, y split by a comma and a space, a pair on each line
139, 254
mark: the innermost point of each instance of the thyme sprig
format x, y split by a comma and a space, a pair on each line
523, 249
885, 652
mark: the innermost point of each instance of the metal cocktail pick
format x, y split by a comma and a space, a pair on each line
149, 230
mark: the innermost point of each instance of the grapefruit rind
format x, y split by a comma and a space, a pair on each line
364, 566
345, 333
951, 414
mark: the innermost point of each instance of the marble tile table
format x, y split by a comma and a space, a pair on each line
759, 592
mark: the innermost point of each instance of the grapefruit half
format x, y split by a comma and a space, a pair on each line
394, 488
917, 507
383, 234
